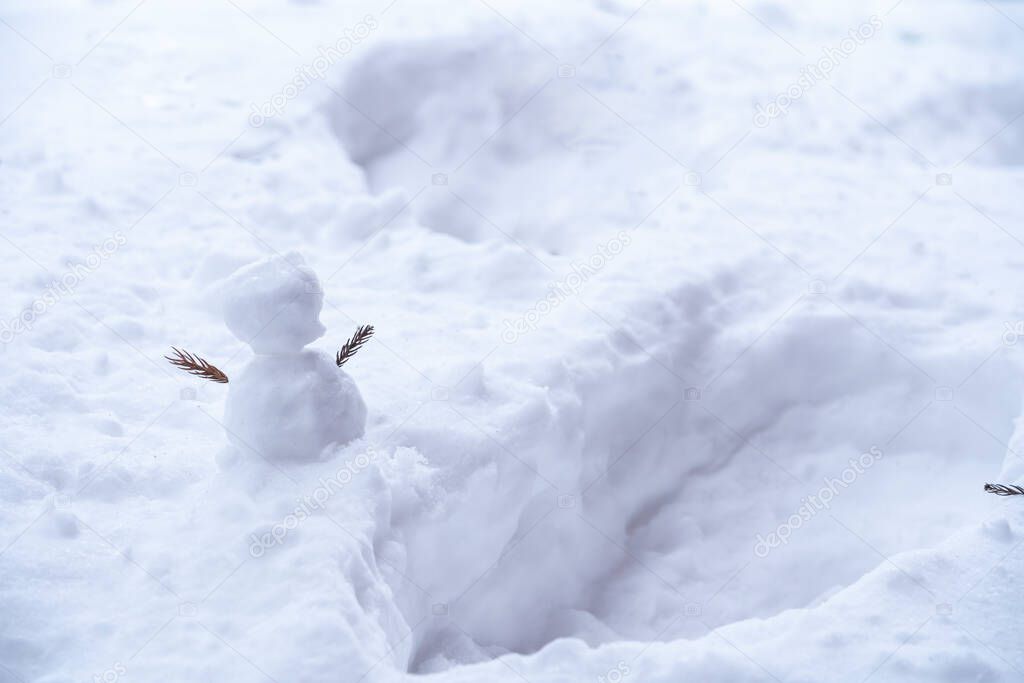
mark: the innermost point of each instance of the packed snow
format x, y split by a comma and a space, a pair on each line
274, 305
696, 340
289, 403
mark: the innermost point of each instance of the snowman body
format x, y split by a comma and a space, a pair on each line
290, 402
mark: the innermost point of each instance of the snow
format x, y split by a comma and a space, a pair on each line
291, 406
659, 390
274, 305
288, 403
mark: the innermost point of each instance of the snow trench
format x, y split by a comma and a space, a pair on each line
651, 468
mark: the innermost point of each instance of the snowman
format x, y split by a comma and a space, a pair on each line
290, 402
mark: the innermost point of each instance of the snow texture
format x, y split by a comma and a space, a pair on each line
697, 338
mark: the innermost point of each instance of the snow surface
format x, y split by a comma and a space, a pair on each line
664, 387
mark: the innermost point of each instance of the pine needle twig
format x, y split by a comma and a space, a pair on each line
194, 365
355, 342
1005, 489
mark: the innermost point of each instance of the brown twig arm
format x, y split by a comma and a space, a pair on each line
1005, 489
194, 365
355, 342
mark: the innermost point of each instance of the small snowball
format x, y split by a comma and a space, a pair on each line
274, 304
289, 407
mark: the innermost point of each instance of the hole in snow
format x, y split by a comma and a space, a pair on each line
675, 511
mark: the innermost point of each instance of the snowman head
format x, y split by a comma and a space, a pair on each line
274, 306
